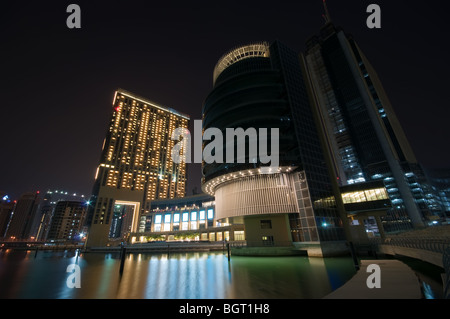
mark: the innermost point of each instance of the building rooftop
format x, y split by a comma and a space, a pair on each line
147, 101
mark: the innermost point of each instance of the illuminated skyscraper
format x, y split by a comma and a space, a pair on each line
136, 166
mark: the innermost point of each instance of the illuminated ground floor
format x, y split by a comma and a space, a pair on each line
228, 233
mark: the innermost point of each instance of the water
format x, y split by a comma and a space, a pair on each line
200, 275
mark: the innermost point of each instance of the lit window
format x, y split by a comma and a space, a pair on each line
176, 218
167, 218
193, 216
158, 219
210, 213
202, 215
185, 217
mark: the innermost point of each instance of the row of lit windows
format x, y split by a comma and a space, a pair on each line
129, 145
183, 221
211, 236
185, 216
365, 196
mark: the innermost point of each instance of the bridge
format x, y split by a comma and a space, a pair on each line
434, 250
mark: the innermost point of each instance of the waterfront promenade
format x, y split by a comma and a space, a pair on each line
397, 281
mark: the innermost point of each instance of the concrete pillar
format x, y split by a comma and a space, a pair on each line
380, 227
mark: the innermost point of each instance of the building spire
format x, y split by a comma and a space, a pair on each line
326, 16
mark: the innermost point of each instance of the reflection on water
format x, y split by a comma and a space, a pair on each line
198, 275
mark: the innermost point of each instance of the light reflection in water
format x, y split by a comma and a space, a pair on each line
199, 275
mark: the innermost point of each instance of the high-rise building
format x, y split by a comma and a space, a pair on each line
6, 209
46, 209
364, 135
136, 165
440, 182
67, 221
23, 216
261, 86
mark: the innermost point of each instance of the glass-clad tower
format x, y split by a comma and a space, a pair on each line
135, 166
264, 85
363, 133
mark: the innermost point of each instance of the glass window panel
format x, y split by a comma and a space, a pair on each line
158, 219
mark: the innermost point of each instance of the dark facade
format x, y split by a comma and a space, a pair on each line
46, 209
23, 217
266, 86
364, 135
440, 183
6, 208
68, 220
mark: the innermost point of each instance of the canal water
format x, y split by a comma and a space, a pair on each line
199, 275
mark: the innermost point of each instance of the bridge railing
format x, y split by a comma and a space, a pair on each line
446, 281
438, 245
432, 244
246, 243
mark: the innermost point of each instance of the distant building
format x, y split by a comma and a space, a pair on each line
46, 208
6, 209
440, 181
136, 166
22, 219
67, 222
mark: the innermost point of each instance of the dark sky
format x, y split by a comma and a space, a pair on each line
58, 83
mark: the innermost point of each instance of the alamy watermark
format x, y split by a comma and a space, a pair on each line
234, 146
374, 279
73, 21
374, 19
74, 279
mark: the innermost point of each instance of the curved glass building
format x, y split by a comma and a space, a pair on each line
259, 88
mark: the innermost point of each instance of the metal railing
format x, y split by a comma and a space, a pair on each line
245, 243
438, 245
431, 244
446, 280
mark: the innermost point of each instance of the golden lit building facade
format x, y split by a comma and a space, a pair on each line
136, 166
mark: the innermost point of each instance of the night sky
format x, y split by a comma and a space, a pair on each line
58, 83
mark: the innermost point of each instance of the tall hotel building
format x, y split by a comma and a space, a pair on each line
364, 135
136, 166
264, 85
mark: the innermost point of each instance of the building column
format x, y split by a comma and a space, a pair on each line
380, 226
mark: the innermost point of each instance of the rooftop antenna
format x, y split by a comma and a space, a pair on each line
326, 16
